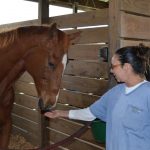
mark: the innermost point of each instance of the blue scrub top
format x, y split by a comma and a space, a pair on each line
127, 117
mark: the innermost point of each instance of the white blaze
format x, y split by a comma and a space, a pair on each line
64, 62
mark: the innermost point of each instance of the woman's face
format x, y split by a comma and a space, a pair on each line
117, 69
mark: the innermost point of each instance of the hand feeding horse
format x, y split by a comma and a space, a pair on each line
40, 50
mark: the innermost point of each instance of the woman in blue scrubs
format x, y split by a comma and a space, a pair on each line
126, 107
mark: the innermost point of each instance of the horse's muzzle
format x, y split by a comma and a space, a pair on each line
42, 107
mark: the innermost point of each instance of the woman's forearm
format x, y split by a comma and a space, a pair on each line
79, 114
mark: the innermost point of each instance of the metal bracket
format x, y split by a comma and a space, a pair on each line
103, 54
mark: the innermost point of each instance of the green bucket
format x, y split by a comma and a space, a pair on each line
99, 130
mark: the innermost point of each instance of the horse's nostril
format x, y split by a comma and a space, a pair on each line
45, 110
42, 107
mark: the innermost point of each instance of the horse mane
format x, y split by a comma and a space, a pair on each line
7, 38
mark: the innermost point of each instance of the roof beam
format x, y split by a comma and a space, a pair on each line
82, 4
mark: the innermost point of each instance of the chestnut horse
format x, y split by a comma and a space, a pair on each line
40, 50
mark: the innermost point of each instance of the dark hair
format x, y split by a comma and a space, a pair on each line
138, 57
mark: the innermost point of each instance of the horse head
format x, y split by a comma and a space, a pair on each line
40, 50
46, 64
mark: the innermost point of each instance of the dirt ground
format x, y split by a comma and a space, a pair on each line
18, 142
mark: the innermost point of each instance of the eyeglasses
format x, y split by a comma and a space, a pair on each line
114, 66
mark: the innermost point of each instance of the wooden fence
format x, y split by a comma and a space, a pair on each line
84, 81
86, 77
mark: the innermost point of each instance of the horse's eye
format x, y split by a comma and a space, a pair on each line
51, 65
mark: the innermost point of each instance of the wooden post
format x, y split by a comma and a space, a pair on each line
43, 16
75, 7
114, 32
43, 134
43, 11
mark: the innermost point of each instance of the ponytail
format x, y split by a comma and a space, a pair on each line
145, 53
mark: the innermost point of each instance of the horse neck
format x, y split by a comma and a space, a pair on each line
11, 77
21, 48
27, 42
29, 37
13, 54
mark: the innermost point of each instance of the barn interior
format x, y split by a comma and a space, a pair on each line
115, 23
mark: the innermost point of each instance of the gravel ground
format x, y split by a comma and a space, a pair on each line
18, 142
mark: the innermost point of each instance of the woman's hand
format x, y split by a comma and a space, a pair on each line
57, 114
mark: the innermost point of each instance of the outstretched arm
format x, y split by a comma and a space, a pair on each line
79, 114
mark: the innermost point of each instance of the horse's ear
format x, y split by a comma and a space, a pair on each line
53, 26
73, 36
53, 31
